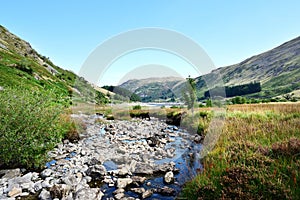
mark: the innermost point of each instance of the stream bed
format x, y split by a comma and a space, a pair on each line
136, 159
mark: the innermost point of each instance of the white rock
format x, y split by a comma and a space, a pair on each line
71, 180
46, 173
35, 176
117, 191
46, 184
123, 171
89, 193
123, 182
119, 196
169, 177
3, 181
147, 193
15, 192
12, 173
38, 185
138, 190
45, 195
27, 185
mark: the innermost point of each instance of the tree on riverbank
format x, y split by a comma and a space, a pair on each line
189, 93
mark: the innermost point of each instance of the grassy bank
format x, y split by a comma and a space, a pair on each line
256, 157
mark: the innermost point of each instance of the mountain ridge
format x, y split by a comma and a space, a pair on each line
277, 69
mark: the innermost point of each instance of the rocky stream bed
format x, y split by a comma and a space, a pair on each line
137, 159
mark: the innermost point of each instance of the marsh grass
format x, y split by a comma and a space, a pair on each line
256, 157
89, 108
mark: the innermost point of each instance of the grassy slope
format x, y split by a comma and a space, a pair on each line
276, 69
16, 53
257, 156
12, 76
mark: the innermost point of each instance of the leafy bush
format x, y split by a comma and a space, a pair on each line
137, 107
74, 127
30, 125
100, 98
24, 68
208, 103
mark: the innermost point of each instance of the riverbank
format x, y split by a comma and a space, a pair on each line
256, 156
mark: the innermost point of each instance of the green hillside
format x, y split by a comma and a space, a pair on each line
21, 66
278, 71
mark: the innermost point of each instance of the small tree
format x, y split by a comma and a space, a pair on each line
208, 103
189, 95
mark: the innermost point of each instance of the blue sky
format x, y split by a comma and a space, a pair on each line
229, 31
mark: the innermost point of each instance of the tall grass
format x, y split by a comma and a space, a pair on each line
256, 157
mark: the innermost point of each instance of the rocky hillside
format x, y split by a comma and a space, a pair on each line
152, 89
22, 66
278, 71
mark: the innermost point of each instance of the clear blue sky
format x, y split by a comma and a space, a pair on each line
229, 31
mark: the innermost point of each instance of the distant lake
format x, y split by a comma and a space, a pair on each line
165, 104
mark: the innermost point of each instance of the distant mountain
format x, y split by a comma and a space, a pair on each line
22, 66
152, 89
278, 71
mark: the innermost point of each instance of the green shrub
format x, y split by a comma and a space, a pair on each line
30, 125
208, 103
25, 68
137, 107
74, 127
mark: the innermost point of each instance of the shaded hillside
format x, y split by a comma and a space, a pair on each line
122, 93
278, 71
152, 89
22, 66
